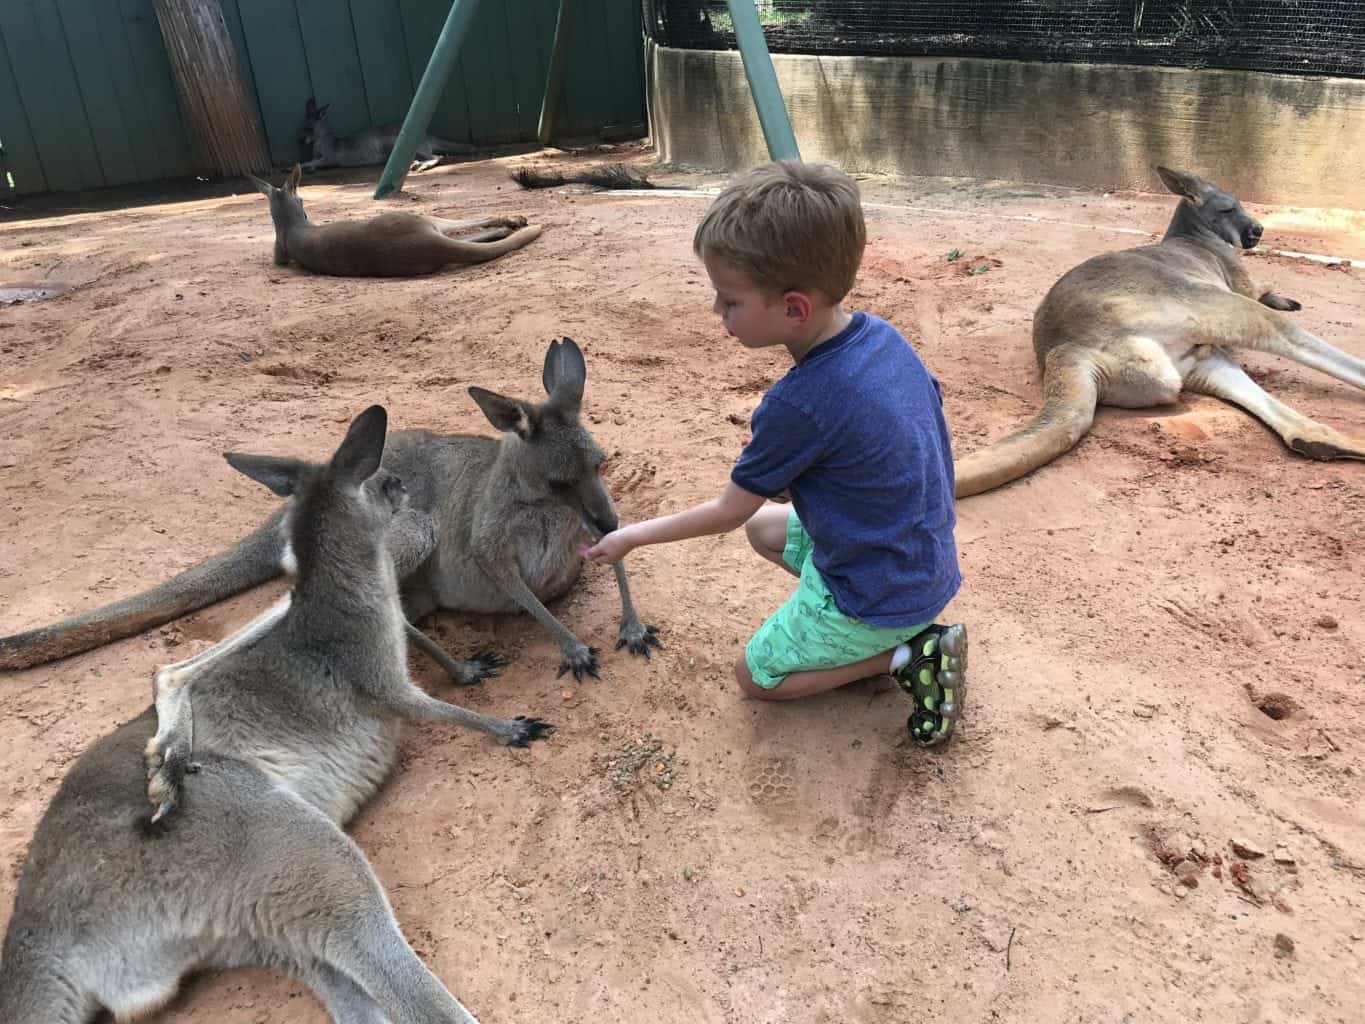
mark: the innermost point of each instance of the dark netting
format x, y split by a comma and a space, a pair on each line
1323, 37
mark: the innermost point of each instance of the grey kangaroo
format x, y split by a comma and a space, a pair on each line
509, 514
368, 146
387, 245
296, 724
1135, 328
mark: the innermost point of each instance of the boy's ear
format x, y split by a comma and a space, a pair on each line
799, 306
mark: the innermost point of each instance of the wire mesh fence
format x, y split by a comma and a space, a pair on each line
1317, 37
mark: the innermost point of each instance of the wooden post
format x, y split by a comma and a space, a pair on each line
439, 67
554, 79
758, 68
221, 115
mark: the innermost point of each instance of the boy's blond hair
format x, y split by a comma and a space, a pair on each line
789, 225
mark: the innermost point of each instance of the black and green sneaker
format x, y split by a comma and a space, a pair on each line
935, 678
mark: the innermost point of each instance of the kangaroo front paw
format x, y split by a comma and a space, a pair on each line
637, 638
578, 660
511, 222
484, 665
525, 730
168, 762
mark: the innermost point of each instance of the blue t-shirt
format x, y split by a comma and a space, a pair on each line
855, 432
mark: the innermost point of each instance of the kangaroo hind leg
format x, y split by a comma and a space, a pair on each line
335, 927
1220, 376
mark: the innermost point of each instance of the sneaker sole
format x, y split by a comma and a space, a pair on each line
952, 644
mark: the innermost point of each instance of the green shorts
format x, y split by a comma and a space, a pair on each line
809, 631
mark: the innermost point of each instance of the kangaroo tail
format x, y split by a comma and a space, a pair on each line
463, 251
248, 563
608, 176
1070, 390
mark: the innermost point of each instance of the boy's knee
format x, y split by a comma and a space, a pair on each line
747, 686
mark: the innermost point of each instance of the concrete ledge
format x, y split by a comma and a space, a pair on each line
1268, 138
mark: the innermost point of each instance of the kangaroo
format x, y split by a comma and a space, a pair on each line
509, 515
1133, 329
368, 146
296, 724
388, 245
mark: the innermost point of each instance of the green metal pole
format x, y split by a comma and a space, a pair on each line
554, 80
758, 68
439, 67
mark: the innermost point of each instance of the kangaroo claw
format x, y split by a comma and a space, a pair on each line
580, 660
530, 729
639, 638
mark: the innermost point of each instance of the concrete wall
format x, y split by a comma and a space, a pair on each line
1268, 138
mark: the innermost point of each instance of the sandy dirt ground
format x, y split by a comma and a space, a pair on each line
1168, 639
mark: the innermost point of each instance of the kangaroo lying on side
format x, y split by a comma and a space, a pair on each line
387, 245
1134, 328
368, 146
509, 515
296, 724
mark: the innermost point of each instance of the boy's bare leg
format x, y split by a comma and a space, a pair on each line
767, 533
805, 684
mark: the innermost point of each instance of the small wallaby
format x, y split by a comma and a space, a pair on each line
296, 723
1134, 328
368, 146
510, 513
386, 245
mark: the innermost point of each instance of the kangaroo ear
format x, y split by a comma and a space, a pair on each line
291, 183
360, 454
322, 112
1187, 186
311, 110
283, 476
507, 413
549, 373
264, 187
570, 373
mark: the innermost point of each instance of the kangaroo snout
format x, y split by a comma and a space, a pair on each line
602, 525
1251, 235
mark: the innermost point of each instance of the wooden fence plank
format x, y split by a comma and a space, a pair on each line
528, 55
422, 22
95, 73
50, 94
334, 63
233, 16
21, 158
279, 66
490, 88
152, 70
587, 90
625, 49
383, 59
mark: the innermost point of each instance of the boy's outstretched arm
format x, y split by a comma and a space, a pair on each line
733, 507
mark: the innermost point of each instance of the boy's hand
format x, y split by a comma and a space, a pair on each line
611, 548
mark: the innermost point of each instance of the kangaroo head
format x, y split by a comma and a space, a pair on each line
557, 459
315, 127
342, 507
1212, 209
286, 209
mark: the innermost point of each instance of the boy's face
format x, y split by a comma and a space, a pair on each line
754, 315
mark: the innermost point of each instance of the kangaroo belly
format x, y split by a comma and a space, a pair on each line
547, 559
337, 775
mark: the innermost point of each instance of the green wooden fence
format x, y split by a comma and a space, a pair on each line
87, 99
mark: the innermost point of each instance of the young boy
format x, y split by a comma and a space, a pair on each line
854, 433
